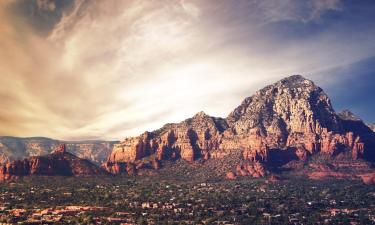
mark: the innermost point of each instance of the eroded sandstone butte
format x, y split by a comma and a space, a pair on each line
60, 162
291, 119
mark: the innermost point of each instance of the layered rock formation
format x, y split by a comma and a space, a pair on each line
191, 139
59, 162
14, 148
351, 123
289, 120
255, 170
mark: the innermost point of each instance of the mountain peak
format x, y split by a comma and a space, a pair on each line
295, 80
295, 83
296, 77
293, 104
200, 114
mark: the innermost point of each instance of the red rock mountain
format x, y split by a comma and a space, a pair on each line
290, 119
60, 162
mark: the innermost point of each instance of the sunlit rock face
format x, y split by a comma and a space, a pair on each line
59, 162
293, 116
293, 105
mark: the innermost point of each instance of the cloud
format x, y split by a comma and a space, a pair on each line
68, 20
110, 69
78, 74
294, 10
190, 8
321, 6
48, 5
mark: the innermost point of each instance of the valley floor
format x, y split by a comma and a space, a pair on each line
166, 200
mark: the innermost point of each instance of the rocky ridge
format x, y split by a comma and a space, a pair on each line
59, 162
289, 120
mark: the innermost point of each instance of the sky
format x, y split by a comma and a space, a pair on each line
91, 69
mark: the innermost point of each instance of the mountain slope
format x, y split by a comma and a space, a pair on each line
289, 120
14, 148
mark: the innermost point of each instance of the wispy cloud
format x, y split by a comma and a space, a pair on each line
109, 69
295, 10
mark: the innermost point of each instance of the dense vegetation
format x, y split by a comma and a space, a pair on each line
163, 200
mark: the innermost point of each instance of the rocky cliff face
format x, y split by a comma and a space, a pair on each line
59, 162
289, 120
14, 148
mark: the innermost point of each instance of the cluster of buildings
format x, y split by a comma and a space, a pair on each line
63, 214
149, 202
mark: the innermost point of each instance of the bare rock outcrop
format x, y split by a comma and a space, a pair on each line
61, 149
255, 170
231, 176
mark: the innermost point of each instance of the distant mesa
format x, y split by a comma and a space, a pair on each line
58, 163
15, 148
